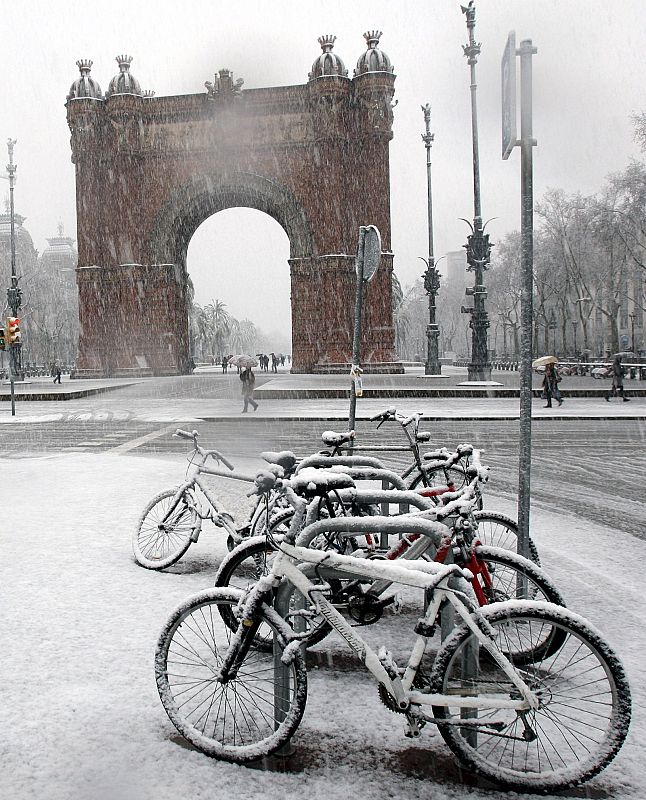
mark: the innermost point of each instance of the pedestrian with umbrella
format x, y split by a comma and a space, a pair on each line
245, 363
551, 379
617, 379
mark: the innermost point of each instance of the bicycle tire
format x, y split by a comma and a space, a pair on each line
498, 530
441, 476
242, 568
585, 708
157, 544
247, 717
517, 578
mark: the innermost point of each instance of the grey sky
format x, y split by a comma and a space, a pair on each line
588, 79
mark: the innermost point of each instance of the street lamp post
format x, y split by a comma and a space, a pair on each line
431, 275
478, 247
14, 294
552, 326
574, 324
579, 303
503, 322
632, 332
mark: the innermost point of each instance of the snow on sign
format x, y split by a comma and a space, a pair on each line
369, 254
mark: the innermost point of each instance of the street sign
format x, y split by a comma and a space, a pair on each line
508, 81
624, 340
369, 254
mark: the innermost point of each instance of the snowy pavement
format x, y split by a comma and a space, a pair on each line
80, 709
161, 409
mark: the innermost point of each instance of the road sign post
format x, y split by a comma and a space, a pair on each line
527, 143
367, 263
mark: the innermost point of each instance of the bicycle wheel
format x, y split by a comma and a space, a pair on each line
516, 578
249, 716
442, 476
242, 568
497, 530
163, 533
584, 697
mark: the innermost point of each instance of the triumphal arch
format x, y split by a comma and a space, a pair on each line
150, 170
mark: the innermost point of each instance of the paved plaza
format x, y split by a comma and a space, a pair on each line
80, 470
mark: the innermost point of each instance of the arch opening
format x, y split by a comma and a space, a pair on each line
238, 257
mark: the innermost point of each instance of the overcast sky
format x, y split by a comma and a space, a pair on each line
589, 76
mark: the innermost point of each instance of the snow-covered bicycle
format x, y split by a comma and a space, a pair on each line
497, 574
172, 520
545, 725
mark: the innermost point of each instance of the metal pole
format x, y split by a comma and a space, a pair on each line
431, 275
13, 292
527, 287
356, 340
478, 247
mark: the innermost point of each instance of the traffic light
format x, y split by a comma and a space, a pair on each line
13, 330
3, 343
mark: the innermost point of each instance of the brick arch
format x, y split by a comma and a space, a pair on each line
192, 203
150, 170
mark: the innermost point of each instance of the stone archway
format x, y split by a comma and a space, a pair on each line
150, 170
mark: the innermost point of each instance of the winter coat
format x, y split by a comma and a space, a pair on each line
617, 374
550, 384
248, 382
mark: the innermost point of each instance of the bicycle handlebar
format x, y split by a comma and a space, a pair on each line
392, 413
216, 455
186, 435
384, 415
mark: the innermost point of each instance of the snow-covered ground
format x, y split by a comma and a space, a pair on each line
80, 713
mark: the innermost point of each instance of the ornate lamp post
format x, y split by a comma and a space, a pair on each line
632, 332
478, 247
14, 293
574, 326
431, 275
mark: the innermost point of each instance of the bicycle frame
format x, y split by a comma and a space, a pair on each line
214, 510
416, 467
434, 580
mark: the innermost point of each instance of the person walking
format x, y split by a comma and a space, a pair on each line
248, 385
56, 372
551, 380
617, 380
225, 363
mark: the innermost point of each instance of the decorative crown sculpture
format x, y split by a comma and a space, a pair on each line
372, 38
84, 65
124, 62
327, 42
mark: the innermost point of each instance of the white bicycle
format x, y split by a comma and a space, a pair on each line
172, 520
546, 724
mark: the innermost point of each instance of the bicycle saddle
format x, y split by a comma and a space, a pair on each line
312, 482
333, 439
285, 459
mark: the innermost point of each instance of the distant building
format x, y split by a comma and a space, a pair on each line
53, 303
456, 269
26, 254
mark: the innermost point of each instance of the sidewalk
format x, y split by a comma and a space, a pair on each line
211, 396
